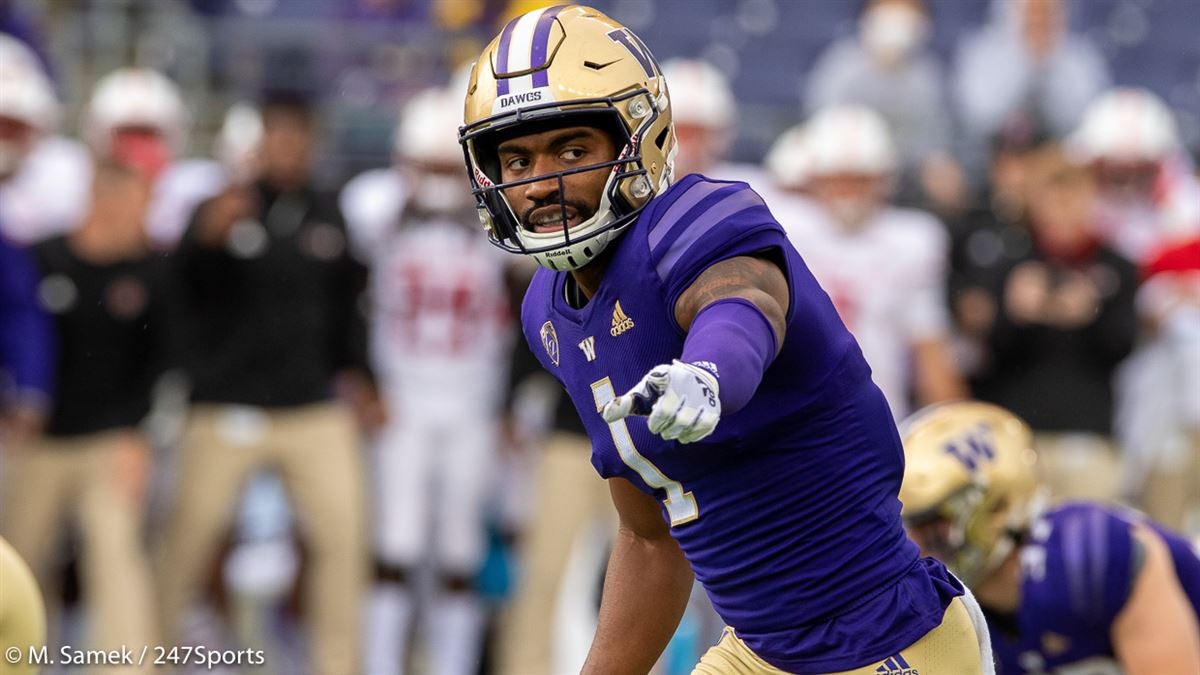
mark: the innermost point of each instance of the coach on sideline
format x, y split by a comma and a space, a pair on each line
271, 295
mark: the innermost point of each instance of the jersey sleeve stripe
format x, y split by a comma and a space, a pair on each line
679, 208
735, 203
1098, 540
1074, 562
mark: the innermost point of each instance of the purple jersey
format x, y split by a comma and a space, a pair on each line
1078, 569
788, 513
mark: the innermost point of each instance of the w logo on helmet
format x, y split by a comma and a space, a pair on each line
973, 448
637, 48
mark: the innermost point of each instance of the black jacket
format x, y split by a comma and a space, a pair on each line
274, 313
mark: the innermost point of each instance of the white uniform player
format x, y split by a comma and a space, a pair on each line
1130, 140
45, 178
137, 116
441, 340
1149, 205
884, 267
705, 115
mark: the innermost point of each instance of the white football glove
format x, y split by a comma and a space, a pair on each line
682, 400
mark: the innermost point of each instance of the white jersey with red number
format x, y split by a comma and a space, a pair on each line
887, 280
441, 324
441, 336
49, 193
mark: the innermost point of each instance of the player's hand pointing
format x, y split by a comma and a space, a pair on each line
682, 401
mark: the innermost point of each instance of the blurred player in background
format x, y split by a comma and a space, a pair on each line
888, 67
883, 266
44, 177
1130, 143
137, 116
107, 295
1148, 209
706, 121
1169, 305
1080, 587
271, 296
689, 293
440, 342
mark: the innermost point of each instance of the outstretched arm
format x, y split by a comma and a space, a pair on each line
735, 315
645, 590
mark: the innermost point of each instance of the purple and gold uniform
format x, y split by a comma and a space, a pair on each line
788, 512
1079, 566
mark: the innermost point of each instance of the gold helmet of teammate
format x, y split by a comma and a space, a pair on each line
970, 484
567, 66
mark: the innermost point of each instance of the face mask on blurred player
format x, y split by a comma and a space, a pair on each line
704, 112
891, 31
851, 162
852, 212
143, 149
136, 116
443, 192
1126, 136
426, 144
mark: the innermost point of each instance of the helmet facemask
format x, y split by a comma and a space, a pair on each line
972, 531
625, 192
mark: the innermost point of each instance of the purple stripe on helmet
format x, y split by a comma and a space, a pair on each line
502, 57
735, 203
541, 44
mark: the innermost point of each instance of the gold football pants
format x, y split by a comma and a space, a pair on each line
950, 649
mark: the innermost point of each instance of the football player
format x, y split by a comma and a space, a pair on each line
1130, 141
137, 116
883, 266
1078, 588
1149, 206
44, 177
441, 335
705, 115
727, 405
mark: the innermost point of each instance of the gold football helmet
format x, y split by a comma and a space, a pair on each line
567, 66
970, 485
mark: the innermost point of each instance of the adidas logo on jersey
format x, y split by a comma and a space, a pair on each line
896, 665
620, 322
